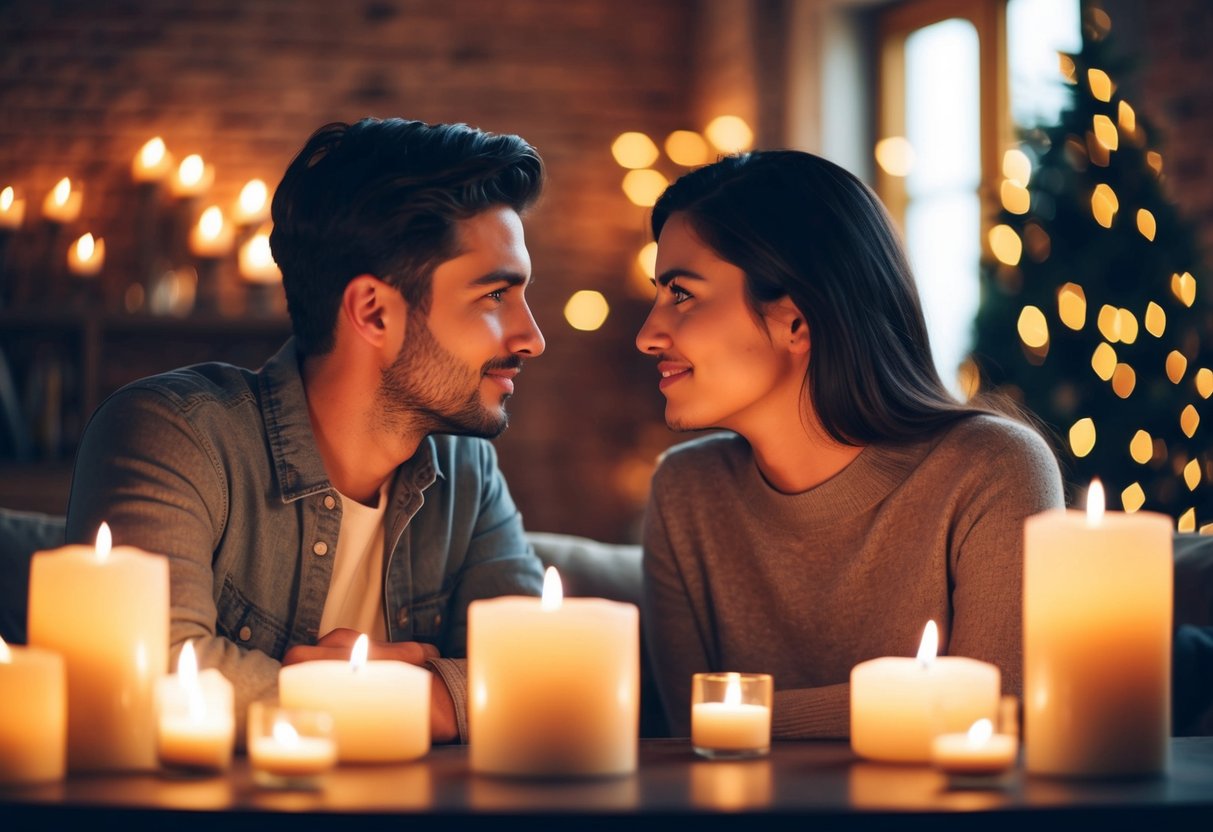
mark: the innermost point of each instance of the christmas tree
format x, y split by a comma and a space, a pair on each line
1095, 314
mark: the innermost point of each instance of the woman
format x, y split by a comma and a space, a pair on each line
852, 499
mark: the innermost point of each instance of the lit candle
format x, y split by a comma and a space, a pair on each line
289, 747
193, 177
553, 684
730, 726
12, 210
1097, 641
257, 261
152, 163
106, 611
62, 205
380, 709
899, 704
197, 725
33, 719
86, 256
253, 205
212, 236
977, 752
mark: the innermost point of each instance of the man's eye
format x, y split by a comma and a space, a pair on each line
497, 295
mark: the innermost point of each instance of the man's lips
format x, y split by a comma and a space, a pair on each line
504, 378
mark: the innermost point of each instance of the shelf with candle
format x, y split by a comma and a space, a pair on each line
196, 724
33, 721
253, 206
12, 214
261, 276
63, 203
86, 256
211, 241
150, 169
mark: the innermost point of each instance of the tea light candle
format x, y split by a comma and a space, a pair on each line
105, 609
12, 210
380, 709
33, 721
979, 752
212, 236
62, 205
899, 704
289, 748
86, 256
1097, 641
553, 684
152, 163
253, 205
728, 726
197, 725
257, 261
193, 177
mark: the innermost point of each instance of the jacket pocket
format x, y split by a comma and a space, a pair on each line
245, 624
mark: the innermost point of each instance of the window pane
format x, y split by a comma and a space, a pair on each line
1036, 31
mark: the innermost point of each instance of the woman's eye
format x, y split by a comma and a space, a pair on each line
680, 294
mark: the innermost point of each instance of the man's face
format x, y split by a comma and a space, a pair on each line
457, 365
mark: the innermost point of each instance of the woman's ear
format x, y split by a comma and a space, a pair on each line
788, 326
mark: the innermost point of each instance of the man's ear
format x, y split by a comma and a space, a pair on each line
373, 311
787, 325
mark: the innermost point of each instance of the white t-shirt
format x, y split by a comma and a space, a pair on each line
355, 598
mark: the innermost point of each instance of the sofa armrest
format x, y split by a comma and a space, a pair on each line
590, 568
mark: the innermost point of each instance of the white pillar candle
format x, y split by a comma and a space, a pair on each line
977, 752
197, 723
1097, 641
380, 709
33, 718
106, 612
899, 704
553, 685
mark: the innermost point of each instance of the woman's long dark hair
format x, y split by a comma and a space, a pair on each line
803, 227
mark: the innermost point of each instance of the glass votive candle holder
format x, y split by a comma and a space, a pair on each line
731, 715
977, 754
289, 748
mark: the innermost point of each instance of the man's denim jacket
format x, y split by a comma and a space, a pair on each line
216, 467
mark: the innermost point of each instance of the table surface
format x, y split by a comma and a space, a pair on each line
797, 782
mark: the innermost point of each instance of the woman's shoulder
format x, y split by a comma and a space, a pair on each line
716, 453
997, 442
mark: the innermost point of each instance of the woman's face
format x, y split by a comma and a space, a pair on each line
720, 365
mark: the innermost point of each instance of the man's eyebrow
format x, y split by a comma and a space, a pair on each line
501, 276
665, 277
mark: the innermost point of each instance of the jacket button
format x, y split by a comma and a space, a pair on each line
246, 633
329, 502
320, 548
402, 618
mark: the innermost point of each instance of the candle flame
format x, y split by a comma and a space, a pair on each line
191, 169
63, 190
980, 733
6, 198
253, 196
152, 153
285, 733
6, 655
1095, 503
553, 590
105, 542
85, 247
928, 648
362, 647
732, 689
211, 223
187, 666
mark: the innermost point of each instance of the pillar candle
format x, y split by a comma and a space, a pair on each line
196, 716
62, 204
33, 716
211, 236
1097, 641
380, 709
553, 684
106, 612
899, 704
86, 257
12, 210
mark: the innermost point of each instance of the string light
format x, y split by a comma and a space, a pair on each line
586, 310
895, 155
1109, 322
1082, 436
687, 148
1126, 325
1072, 306
1015, 197
1141, 447
644, 186
1100, 84
1017, 167
1156, 320
1105, 132
1103, 361
1126, 117
1204, 382
1177, 365
1033, 328
1146, 224
634, 150
729, 134
1005, 244
1104, 204
1133, 498
1154, 160
1065, 65
1187, 521
1192, 474
1183, 286
1189, 420
1123, 380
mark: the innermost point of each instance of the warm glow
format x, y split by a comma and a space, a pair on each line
362, 649
1156, 320
1146, 224
211, 223
6, 655
1065, 65
1204, 382
1017, 167
644, 186
105, 542
1133, 498
191, 170
152, 162
1126, 117
928, 648
1187, 521
647, 259
1033, 328
895, 155
252, 203
187, 666
1189, 420
1154, 160
1072, 306
586, 310
1005, 244
256, 260
687, 148
1123, 380
1141, 447
7, 196
732, 689
1095, 503
634, 150
980, 733
1183, 286
1105, 132
553, 591
285, 733
1082, 436
1177, 365
1015, 198
1192, 474
1103, 361
152, 153
1126, 325
62, 191
1104, 205
1109, 322
85, 247
729, 134
1100, 83
968, 378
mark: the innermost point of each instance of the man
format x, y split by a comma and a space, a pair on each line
343, 487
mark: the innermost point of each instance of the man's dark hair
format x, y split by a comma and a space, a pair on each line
382, 197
